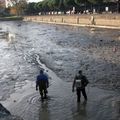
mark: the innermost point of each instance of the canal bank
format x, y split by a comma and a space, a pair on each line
62, 51
111, 21
60, 100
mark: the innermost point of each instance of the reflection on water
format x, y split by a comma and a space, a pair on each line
44, 111
64, 49
81, 112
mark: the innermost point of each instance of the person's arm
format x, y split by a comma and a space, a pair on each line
73, 85
47, 83
37, 84
85, 81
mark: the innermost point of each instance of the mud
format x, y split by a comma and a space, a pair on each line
62, 50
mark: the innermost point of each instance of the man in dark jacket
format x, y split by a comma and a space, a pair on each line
80, 82
43, 83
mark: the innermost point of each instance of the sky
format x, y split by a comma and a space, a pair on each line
34, 0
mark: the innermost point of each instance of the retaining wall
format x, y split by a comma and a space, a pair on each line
106, 21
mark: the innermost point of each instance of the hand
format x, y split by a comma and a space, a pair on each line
72, 90
47, 86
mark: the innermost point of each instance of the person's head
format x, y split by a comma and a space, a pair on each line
41, 71
80, 71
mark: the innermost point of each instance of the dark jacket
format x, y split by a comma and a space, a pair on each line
42, 81
83, 79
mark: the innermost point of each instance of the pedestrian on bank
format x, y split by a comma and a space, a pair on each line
42, 83
80, 82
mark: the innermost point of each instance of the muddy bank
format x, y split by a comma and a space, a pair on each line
63, 50
62, 103
96, 55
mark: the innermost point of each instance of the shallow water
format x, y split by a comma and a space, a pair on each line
64, 50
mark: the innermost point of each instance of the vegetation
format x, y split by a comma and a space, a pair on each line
16, 7
21, 7
10, 18
81, 6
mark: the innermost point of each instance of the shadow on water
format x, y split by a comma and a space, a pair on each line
44, 113
81, 112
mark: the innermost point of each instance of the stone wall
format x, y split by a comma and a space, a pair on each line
102, 20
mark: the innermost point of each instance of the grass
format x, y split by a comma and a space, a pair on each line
10, 18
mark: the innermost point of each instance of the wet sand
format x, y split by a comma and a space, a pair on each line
62, 51
62, 103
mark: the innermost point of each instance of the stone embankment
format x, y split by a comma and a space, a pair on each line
98, 20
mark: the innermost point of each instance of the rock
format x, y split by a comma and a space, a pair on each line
14, 101
6, 115
3, 111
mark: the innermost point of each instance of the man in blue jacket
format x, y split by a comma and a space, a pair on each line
43, 83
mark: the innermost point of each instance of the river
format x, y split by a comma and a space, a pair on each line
62, 50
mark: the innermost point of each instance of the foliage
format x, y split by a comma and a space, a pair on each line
95, 1
79, 2
65, 5
30, 8
69, 2
20, 6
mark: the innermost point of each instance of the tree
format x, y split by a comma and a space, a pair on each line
62, 6
51, 4
106, 1
31, 8
95, 1
98, 4
79, 2
69, 4
20, 6
82, 3
45, 6
38, 7
56, 4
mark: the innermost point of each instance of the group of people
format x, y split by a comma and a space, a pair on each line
80, 82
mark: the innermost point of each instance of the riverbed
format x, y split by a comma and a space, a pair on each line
62, 50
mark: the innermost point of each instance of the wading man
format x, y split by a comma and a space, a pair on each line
80, 82
42, 83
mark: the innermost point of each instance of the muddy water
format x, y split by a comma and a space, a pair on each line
63, 50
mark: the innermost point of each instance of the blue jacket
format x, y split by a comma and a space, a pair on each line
42, 81
42, 77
